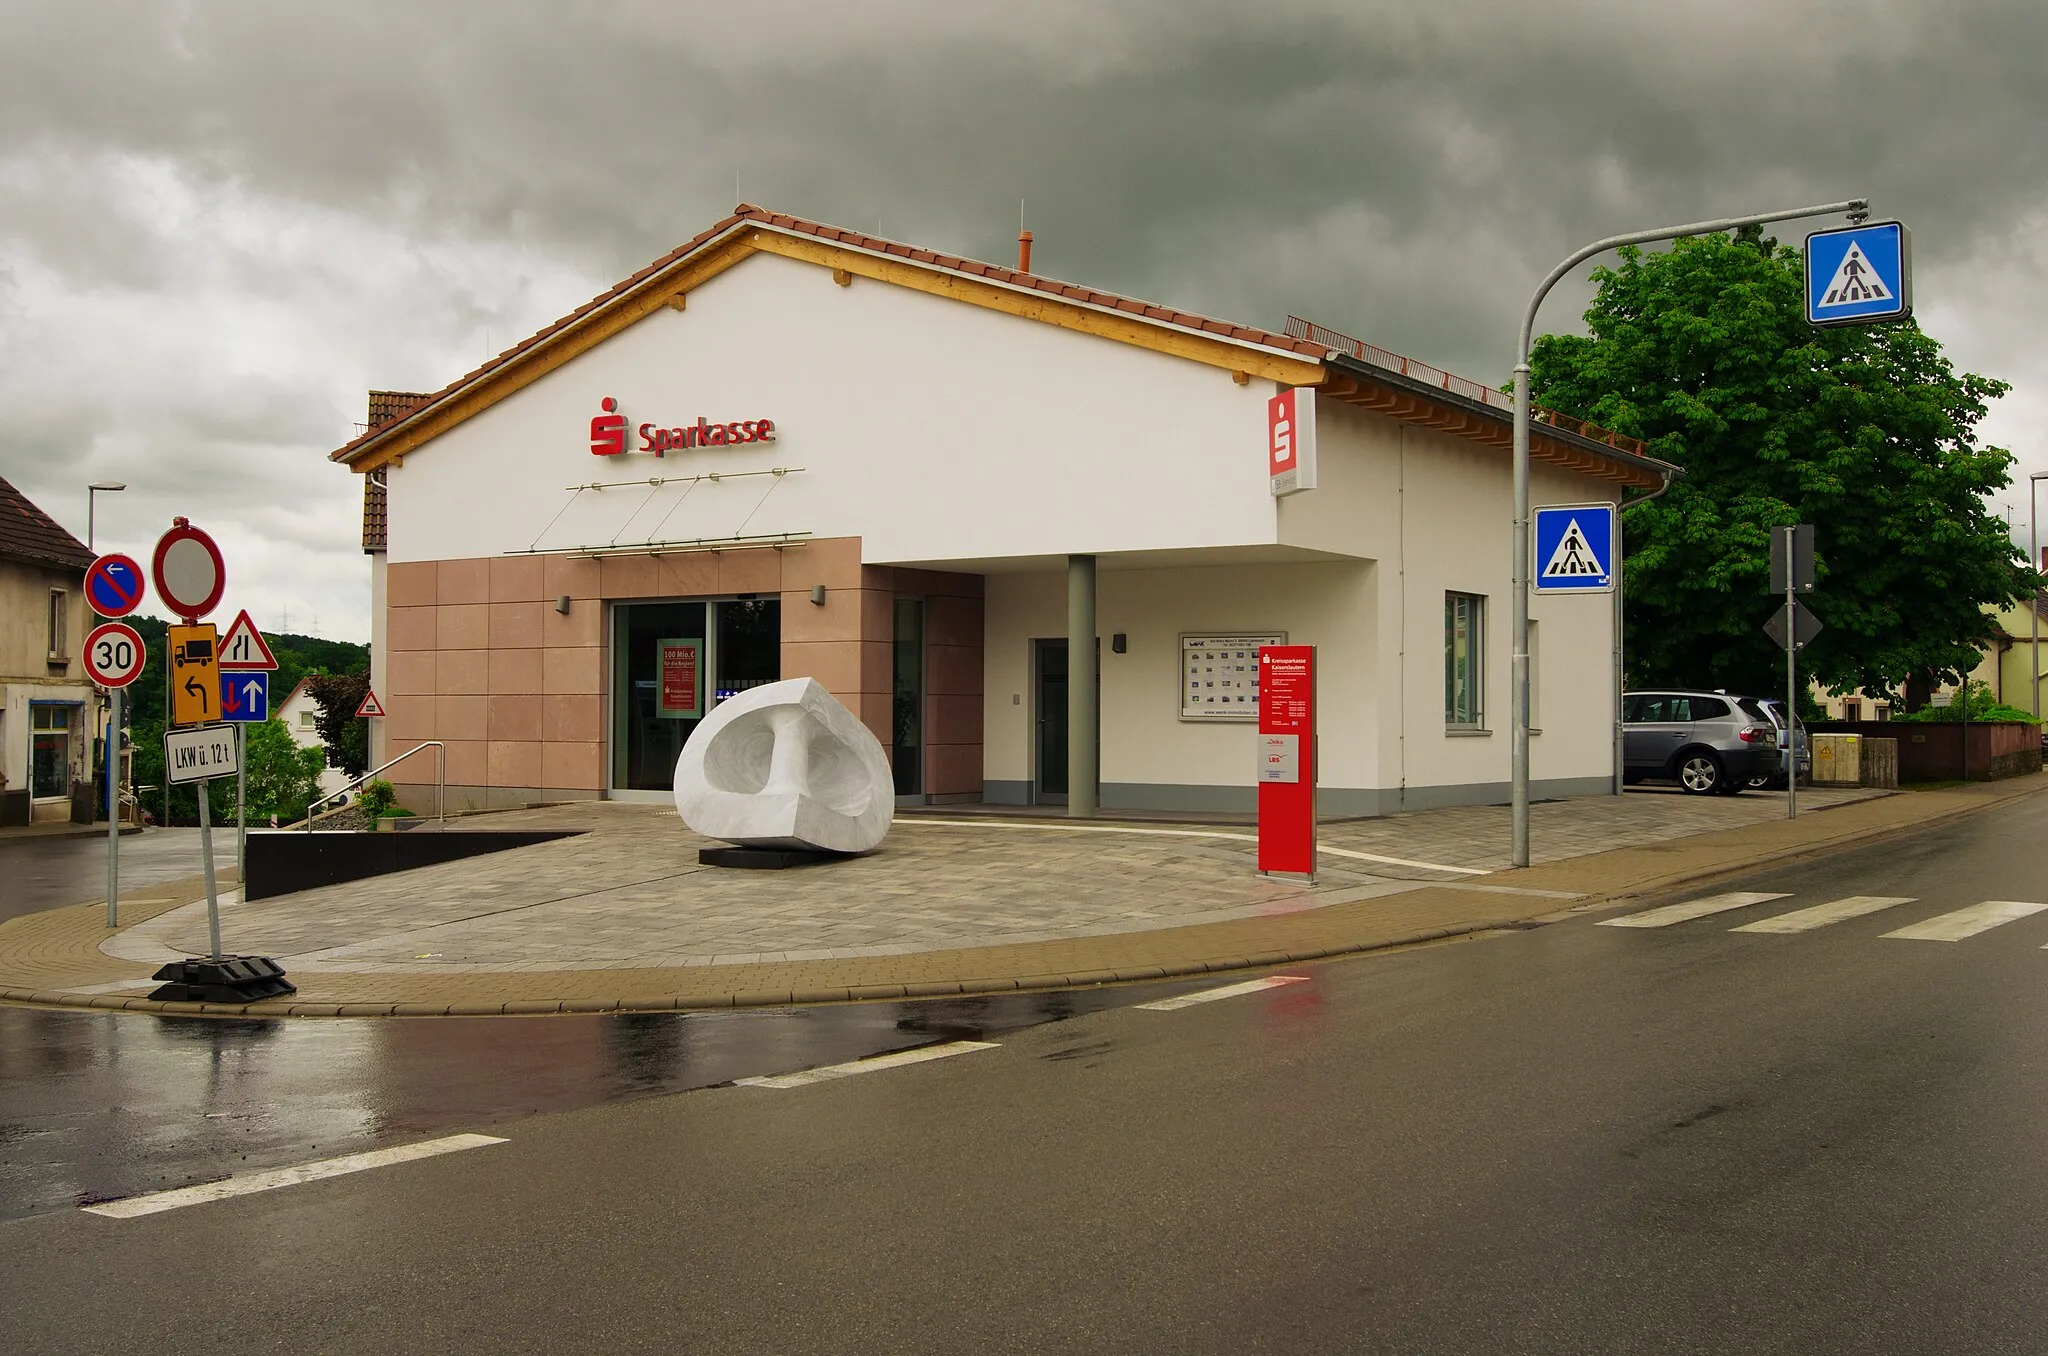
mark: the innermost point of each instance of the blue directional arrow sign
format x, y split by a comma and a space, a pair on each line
1574, 549
245, 695
1860, 275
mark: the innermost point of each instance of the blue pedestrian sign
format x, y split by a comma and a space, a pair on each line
1574, 548
245, 695
1860, 275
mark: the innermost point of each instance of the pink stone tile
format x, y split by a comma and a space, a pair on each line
952, 670
411, 718
515, 718
753, 569
877, 666
517, 579
836, 664
573, 575
689, 574
582, 624
463, 628
572, 671
952, 621
463, 581
630, 577
462, 718
953, 720
468, 762
876, 711
839, 618
572, 767
515, 626
410, 671
515, 763
515, 671
411, 583
831, 561
410, 628
572, 719
953, 768
462, 672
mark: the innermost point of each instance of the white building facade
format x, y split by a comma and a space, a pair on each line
907, 475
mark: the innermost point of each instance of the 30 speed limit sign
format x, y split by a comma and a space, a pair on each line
114, 654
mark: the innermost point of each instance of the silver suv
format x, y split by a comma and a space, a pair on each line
1708, 742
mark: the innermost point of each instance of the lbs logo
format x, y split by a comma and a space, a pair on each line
608, 434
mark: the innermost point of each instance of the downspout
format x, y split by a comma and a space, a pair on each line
1671, 477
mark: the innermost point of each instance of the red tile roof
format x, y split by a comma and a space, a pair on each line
27, 533
748, 214
385, 407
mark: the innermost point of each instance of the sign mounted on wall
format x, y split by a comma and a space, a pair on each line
608, 434
1219, 674
1291, 441
682, 689
1860, 275
1287, 760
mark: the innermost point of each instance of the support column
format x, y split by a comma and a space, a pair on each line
1081, 698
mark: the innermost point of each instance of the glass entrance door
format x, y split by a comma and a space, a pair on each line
1051, 780
671, 664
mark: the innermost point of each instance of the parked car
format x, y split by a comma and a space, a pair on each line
1775, 709
1707, 742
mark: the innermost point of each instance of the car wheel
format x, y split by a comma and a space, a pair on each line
1700, 774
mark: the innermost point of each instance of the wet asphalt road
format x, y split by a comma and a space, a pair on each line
1573, 1139
44, 873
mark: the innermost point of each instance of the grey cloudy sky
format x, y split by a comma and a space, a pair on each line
221, 222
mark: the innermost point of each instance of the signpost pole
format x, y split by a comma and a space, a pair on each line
1518, 748
206, 852
1791, 677
241, 804
114, 811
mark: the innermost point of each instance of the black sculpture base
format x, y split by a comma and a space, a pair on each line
231, 979
764, 859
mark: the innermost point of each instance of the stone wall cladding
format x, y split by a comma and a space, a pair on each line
482, 659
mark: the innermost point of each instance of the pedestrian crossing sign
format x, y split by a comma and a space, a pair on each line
1860, 275
1574, 548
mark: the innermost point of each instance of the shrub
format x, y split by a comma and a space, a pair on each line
376, 797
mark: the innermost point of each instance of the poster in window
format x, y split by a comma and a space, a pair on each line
1219, 674
682, 688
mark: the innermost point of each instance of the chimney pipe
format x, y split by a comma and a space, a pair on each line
1023, 251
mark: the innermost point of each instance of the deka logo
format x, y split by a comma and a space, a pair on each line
608, 434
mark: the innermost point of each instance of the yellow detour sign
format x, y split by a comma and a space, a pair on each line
195, 674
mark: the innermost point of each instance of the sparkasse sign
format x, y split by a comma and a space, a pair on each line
608, 434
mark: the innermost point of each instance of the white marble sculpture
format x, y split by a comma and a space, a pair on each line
785, 765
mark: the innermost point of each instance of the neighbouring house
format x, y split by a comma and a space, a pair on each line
299, 711
46, 701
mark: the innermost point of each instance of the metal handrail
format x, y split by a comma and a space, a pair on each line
440, 782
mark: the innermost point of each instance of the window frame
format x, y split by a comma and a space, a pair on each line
58, 625
1470, 715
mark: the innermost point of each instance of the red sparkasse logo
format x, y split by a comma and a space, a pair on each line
608, 434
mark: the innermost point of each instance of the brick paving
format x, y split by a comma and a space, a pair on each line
622, 916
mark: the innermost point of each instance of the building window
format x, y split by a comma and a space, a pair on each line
306, 719
50, 751
57, 611
1464, 654
1852, 708
1884, 712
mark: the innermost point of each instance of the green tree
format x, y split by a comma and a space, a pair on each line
1866, 432
282, 776
339, 697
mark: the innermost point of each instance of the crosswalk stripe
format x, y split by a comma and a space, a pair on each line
1693, 908
284, 1177
1820, 915
1954, 927
805, 1077
1188, 1000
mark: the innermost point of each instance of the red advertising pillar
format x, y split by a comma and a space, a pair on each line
1287, 760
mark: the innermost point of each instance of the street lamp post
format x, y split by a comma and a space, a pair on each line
92, 502
1518, 749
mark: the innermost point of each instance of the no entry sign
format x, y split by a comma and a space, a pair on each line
189, 573
113, 585
114, 654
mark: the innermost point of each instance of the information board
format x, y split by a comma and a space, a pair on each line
1287, 760
1219, 674
681, 693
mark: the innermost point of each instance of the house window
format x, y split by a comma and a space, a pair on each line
1464, 654
50, 751
306, 719
1884, 712
57, 611
1852, 708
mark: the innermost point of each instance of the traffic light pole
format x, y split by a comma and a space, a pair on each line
1518, 748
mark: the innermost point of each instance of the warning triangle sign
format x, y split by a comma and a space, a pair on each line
1854, 281
371, 706
1574, 558
243, 647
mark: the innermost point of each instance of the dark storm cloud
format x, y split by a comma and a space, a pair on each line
344, 195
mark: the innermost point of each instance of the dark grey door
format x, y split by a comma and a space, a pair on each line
1050, 781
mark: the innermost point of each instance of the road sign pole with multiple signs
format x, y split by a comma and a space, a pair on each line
246, 663
114, 656
1793, 627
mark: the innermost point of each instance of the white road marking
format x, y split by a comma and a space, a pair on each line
1820, 915
1954, 927
1188, 1000
1186, 833
284, 1177
805, 1077
1691, 909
